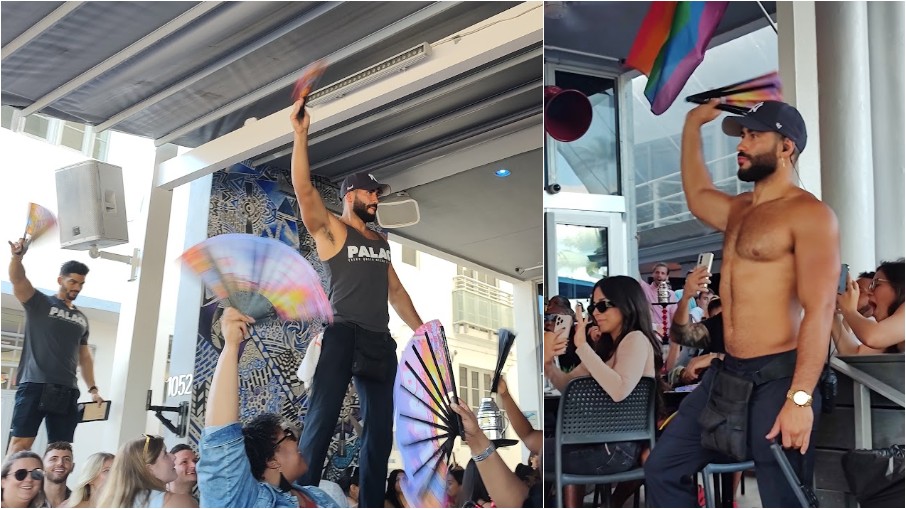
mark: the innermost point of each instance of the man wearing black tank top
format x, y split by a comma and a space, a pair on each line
362, 281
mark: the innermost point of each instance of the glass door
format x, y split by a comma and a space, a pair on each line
582, 247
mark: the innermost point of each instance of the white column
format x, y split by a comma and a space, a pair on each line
796, 50
528, 351
136, 334
886, 61
845, 118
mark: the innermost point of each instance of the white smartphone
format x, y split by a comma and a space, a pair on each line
562, 323
705, 260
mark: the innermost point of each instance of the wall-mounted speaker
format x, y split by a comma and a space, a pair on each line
91, 206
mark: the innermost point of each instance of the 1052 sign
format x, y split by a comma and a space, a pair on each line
179, 385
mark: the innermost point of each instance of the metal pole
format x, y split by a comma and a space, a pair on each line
767, 16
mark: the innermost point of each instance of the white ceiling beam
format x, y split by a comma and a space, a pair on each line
307, 17
133, 49
360, 45
513, 30
38, 28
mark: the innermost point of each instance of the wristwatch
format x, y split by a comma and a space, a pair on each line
800, 398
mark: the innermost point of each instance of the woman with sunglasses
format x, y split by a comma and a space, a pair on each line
91, 480
885, 332
139, 476
622, 313
23, 480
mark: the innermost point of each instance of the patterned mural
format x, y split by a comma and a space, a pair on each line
261, 202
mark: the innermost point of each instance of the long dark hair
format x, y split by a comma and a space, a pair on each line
626, 293
391, 495
894, 275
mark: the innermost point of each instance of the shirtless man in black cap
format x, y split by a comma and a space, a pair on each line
779, 241
362, 281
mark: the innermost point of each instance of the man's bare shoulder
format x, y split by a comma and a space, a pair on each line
806, 209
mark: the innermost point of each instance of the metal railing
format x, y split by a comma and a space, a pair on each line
667, 204
862, 384
480, 305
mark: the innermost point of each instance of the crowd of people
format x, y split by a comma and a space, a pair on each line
722, 352
743, 362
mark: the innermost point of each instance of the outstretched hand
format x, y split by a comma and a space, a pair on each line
235, 326
849, 300
300, 125
704, 113
18, 248
469, 421
696, 281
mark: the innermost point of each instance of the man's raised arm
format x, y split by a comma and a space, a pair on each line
705, 201
22, 288
315, 215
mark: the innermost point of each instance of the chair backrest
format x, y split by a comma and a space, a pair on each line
588, 415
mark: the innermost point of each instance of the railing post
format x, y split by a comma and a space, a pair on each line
862, 415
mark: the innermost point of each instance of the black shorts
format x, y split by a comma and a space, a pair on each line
27, 415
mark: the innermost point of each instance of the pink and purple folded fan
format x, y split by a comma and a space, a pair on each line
258, 276
740, 97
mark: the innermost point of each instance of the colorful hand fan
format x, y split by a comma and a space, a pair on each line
505, 339
739, 97
39, 221
306, 83
258, 276
426, 426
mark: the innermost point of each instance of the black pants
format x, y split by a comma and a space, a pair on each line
326, 399
678, 455
28, 414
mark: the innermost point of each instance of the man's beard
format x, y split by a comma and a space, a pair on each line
361, 210
761, 166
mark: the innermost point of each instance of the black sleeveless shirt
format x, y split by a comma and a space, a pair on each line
357, 281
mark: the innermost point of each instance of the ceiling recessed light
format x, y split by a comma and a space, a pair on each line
503, 172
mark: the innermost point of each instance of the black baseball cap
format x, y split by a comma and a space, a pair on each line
770, 116
362, 180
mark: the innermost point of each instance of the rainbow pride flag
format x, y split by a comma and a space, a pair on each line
671, 44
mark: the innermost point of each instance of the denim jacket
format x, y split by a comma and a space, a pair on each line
225, 476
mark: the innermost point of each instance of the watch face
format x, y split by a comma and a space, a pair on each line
800, 398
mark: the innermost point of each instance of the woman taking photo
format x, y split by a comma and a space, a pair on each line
883, 333
623, 316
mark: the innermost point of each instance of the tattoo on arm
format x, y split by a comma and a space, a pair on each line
693, 335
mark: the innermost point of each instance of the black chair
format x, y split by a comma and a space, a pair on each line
588, 415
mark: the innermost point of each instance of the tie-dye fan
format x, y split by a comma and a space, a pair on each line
39, 221
258, 275
426, 426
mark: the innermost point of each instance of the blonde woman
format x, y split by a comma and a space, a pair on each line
139, 476
91, 479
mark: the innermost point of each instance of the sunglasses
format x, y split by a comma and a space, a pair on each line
287, 433
36, 474
148, 442
601, 306
875, 282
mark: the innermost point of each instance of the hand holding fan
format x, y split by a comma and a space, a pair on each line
259, 276
739, 97
306, 83
426, 426
39, 221
505, 339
